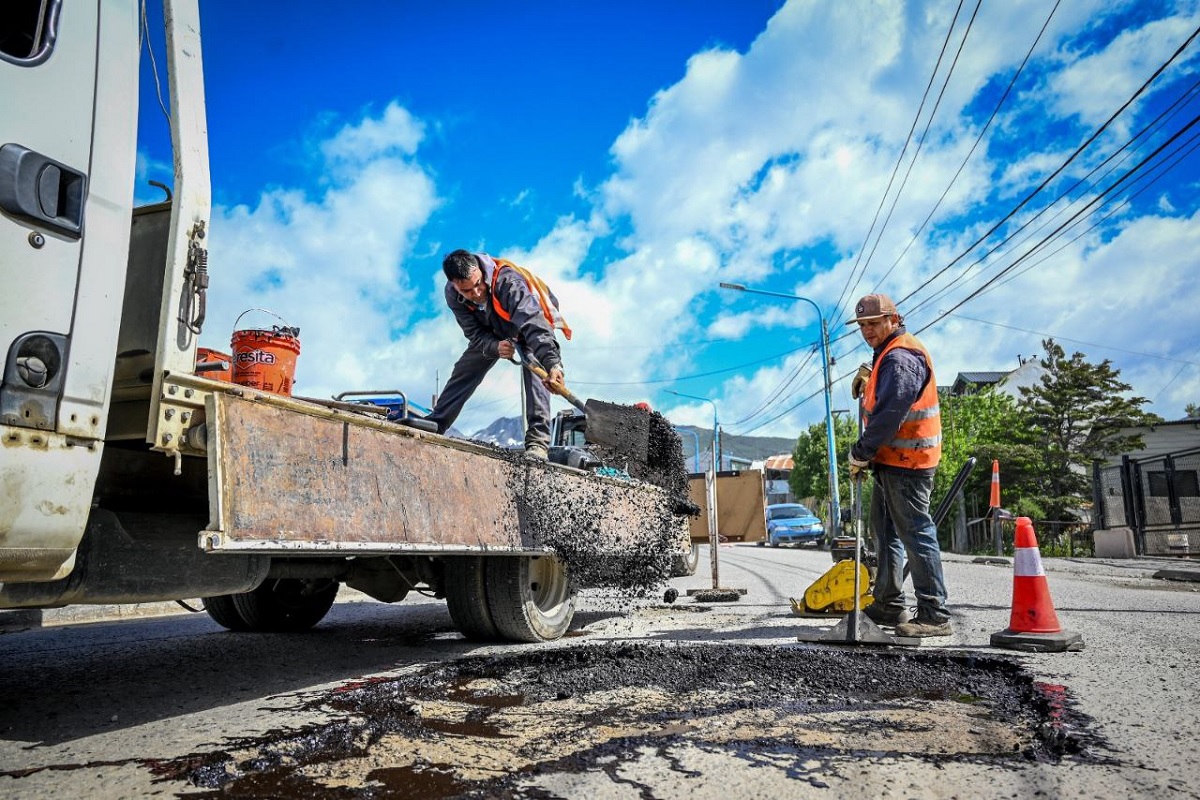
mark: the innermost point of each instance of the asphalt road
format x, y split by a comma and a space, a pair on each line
99, 709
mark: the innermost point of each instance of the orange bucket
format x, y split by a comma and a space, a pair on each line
206, 356
266, 359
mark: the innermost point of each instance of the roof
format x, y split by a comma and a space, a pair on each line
778, 462
982, 377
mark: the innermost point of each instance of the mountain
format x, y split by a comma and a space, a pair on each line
506, 432
743, 448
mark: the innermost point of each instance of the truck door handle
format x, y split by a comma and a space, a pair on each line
41, 189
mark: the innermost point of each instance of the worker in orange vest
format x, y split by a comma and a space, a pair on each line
503, 309
901, 442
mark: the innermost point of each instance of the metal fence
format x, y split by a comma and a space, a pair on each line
1055, 537
1158, 498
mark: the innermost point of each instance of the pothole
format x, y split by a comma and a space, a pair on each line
498, 726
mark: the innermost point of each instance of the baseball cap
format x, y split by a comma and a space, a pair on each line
873, 306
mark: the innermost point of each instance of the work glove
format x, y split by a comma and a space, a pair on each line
858, 467
858, 384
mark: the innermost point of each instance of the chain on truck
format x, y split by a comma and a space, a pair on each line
129, 476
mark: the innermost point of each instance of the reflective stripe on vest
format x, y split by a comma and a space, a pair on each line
918, 442
540, 290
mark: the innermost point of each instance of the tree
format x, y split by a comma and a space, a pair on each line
1192, 411
1077, 411
989, 426
810, 461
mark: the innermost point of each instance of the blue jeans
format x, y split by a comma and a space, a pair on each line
903, 528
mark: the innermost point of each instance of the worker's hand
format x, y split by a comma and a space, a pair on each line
859, 384
506, 349
858, 467
554, 380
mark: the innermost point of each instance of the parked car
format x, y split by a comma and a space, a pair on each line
792, 523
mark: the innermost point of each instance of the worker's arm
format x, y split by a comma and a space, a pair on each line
901, 375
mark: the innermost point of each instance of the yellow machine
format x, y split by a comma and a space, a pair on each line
833, 592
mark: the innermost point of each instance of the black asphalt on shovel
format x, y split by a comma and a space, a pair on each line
623, 429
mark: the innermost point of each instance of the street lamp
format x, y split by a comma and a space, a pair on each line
829, 440
710, 492
716, 426
695, 436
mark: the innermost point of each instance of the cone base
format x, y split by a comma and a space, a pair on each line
1060, 642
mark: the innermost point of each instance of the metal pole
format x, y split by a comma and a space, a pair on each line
830, 445
714, 536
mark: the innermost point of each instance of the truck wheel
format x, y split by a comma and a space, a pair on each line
530, 599
685, 564
286, 605
465, 586
224, 613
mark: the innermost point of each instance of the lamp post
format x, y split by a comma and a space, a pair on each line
716, 426
710, 490
829, 440
695, 436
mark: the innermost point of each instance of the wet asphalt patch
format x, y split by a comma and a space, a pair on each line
506, 725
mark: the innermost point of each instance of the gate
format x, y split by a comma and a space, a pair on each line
1157, 497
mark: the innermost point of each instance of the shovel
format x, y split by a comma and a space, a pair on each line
623, 429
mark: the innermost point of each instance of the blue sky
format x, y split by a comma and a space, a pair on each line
637, 154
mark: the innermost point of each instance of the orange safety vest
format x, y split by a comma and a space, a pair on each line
918, 442
539, 289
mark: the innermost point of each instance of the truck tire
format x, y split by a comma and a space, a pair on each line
465, 586
223, 612
686, 563
286, 605
530, 599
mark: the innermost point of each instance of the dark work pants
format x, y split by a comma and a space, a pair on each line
904, 529
469, 371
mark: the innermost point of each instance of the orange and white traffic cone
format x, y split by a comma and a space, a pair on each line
1033, 625
994, 500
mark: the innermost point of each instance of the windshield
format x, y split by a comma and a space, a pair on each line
789, 512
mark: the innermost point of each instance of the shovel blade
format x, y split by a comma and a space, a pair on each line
623, 429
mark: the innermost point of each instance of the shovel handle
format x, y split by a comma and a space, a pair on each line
561, 391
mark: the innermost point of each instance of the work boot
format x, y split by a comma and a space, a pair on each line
920, 628
886, 616
536, 451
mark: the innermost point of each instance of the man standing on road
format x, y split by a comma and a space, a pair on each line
502, 309
902, 441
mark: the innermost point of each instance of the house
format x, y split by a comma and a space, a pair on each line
776, 471
1005, 382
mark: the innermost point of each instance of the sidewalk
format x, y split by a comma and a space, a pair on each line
1176, 569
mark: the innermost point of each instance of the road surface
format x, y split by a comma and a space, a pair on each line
375, 703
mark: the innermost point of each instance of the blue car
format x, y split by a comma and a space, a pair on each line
792, 523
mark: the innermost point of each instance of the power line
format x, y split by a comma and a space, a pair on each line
987, 126
847, 289
1079, 150
1058, 338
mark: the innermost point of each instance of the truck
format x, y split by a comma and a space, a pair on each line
129, 474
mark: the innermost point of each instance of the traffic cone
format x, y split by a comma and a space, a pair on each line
1033, 625
994, 501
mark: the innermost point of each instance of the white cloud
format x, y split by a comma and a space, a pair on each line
330, 264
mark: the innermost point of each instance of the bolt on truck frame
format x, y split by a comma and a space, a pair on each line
126, 476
